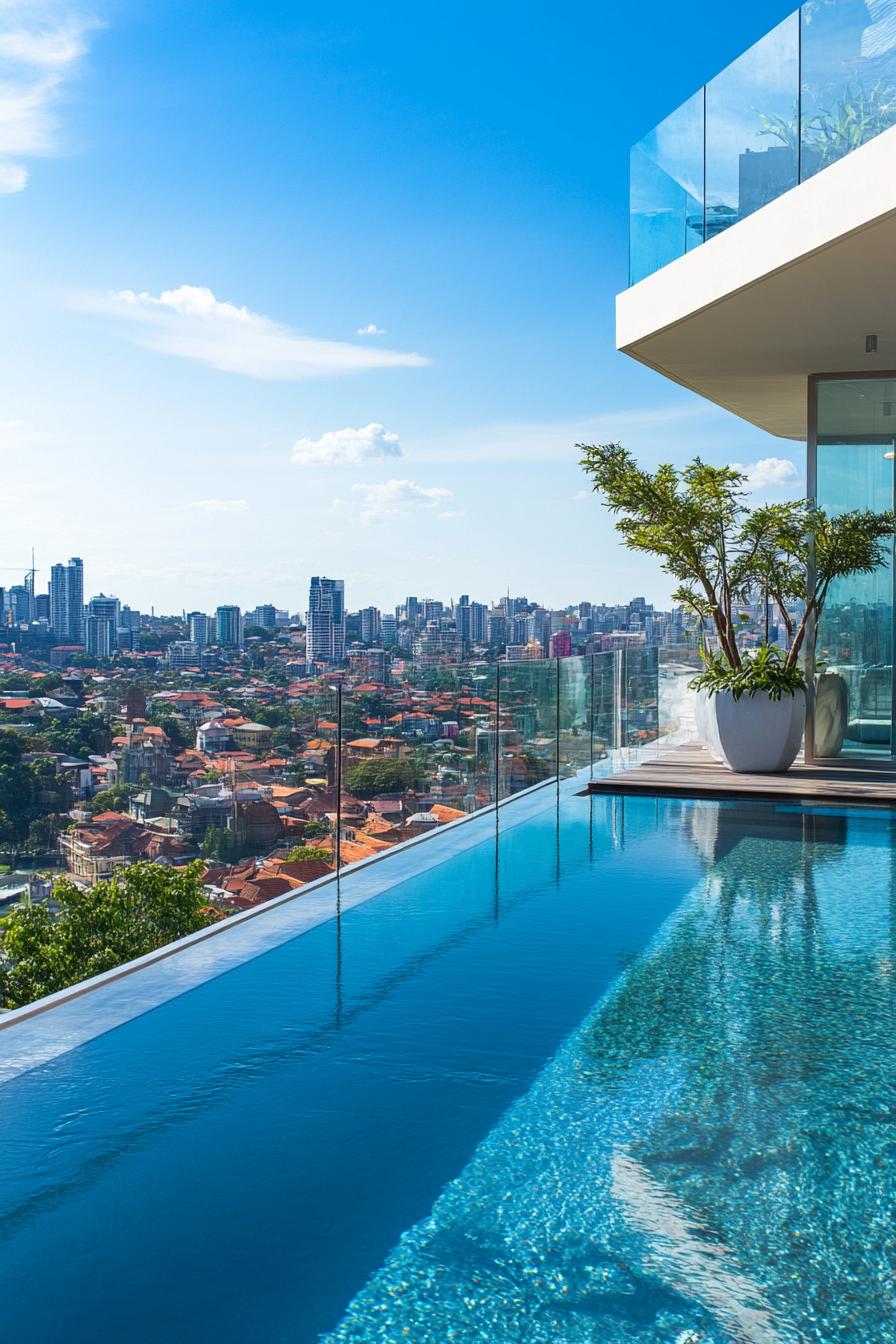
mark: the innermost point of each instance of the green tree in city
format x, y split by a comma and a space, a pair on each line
115, 799
220, 845
371, 778
301, 853
18, 791
139, 909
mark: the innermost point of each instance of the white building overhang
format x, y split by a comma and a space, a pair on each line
792, 290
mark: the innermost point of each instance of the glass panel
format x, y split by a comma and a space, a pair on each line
575, 711
848, 78
679, 664
417, 753
856, 459
667, 190
640, 696
528, 728
604, 729
752, 128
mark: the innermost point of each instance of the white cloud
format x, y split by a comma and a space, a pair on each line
218, 505
191, 322
582, 495
41, 45
769, 473
392, 498
371, 330
339, 446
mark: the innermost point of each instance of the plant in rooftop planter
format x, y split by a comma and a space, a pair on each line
751, 703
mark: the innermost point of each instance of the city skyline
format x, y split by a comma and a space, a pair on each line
394, 373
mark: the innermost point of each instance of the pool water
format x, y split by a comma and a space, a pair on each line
622, 1072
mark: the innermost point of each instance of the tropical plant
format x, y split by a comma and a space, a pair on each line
725, 554
857, 116
762, 669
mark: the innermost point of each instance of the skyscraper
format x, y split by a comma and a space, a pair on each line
67, 601
200, 632
101, 626
229, 627
326, 621
370, 625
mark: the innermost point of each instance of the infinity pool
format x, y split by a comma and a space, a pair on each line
620, 1071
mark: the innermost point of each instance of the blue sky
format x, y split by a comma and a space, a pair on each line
204, 208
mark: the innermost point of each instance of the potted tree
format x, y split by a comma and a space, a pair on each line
724, 554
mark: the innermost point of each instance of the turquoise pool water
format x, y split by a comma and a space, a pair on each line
621, 1072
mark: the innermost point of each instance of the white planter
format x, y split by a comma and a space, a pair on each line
705, 719
758, 735
831, 712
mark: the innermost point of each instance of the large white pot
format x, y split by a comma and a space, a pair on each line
758, 735
705, 719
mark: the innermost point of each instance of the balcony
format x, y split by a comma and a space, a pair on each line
811, 91
763, 220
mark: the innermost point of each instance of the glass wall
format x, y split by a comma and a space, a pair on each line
752, 129
848, 77
666, 186
819, 85
855, 469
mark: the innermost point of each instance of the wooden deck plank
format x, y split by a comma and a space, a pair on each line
690, 772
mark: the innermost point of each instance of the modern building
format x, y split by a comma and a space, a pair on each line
200, 627
264, 616
471, 619
763, 232
371, 625
229, 627
326, 622
67, 601
182, 653
561, 644
101, 620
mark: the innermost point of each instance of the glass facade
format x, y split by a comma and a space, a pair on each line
855, 467
820, 84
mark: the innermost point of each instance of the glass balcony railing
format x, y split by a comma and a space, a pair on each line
389, 764
820, 84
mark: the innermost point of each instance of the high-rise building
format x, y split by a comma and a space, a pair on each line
496, 630
229, 627
471, 620
561, 644
200, 628
388, 629
101, 622
19, 599
264, 616
325, 642
370, 625
67, 601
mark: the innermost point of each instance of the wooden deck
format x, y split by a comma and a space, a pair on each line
690, 772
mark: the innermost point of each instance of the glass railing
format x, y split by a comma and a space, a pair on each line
440, 743
820, 84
